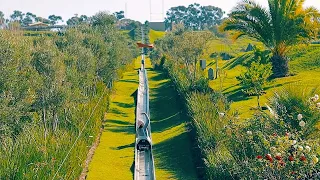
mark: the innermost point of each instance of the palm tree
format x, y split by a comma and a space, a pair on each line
284, 24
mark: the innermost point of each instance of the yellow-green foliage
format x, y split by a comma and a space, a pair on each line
154, 35
49, 93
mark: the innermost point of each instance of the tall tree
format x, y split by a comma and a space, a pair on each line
103, 19
284, 24
41, 19
75, 20
54, 19
28, 19
195, 16
17, 16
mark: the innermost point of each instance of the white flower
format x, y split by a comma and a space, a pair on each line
316, 97
302, 123
249, 133
300, 148
308, 148
300, 117
272, 149
274, 114
318, 105
221, 114
293, 142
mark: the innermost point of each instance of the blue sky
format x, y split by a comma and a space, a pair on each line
136, 9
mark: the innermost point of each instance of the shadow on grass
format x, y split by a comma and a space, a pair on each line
124, 105
129, 80
117, 122
237, 95
237, 61
118, 112
164, 108
120, 129
173, 155
125, 146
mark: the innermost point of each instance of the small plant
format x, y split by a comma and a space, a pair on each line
255, 78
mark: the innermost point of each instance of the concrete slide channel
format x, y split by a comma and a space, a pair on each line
144, 163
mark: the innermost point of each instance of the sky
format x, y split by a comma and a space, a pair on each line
136, 9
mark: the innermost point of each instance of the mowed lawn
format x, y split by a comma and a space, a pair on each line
114, 157
154, 35
171, 142
304, 65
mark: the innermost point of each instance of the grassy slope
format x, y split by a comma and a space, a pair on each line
114, 156
305, 64
172, 146
154, 35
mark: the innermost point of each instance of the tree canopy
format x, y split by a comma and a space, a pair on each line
54, 19
195, 16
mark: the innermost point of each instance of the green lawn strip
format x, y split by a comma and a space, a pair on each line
171, 141
114, 157
154, 35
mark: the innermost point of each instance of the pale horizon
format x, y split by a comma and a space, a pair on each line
137, 10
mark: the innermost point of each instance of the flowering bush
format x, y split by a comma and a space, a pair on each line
296, 109
271, 155
277, 146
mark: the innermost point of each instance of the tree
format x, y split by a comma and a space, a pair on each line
17, 16
28, 19
75, 20
54, 19
103, 19
188, 47
119, 15
2, 20
254, 79
284, 24
195, 16
41, 19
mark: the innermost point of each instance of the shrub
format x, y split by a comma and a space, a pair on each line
255, 78
269, 146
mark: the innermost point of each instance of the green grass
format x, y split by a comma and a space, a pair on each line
171, 141
39, 33
114, 157
304, 64
154, 35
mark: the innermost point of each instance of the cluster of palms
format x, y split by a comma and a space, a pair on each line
283, 24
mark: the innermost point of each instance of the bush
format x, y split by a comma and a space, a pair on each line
269, 146
49, 88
